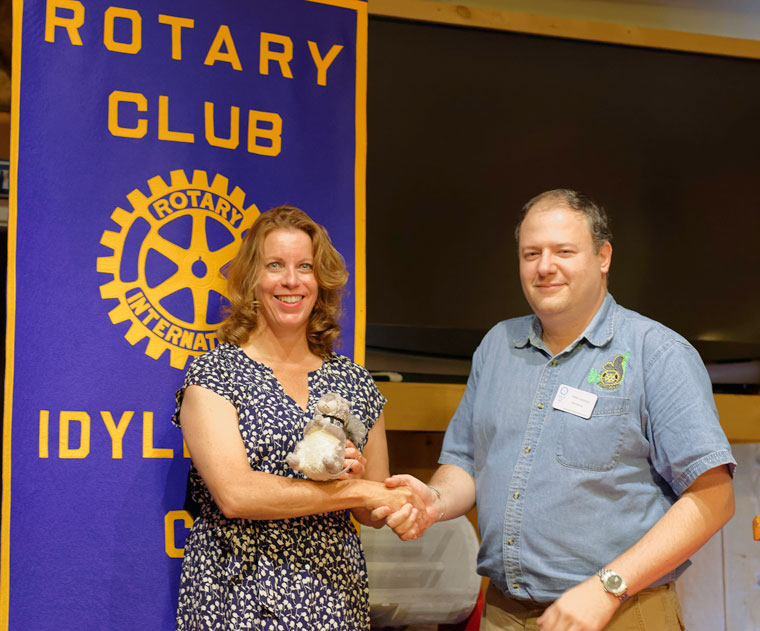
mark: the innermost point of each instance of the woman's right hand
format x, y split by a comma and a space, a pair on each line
354, 463
393, 498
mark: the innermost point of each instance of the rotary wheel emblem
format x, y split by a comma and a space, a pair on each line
612, 373
167, 260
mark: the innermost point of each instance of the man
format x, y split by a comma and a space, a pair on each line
589, 437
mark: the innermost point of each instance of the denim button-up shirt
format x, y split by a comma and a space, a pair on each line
558, 495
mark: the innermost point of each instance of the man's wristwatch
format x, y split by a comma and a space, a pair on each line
613, 583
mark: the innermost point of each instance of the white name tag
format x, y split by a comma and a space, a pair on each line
578, 402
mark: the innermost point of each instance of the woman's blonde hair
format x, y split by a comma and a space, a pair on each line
244, 271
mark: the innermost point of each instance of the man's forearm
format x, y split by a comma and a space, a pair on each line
701, 511
449, 494
457, 490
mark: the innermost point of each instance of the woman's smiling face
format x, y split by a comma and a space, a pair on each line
287, 289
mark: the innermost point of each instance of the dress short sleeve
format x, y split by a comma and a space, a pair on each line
211, 372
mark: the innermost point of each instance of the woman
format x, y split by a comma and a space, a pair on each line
271, 550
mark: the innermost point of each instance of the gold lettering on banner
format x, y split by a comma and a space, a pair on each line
149, 451
114, 126
75, 430
116, 431
64, 425
177, 25
272, 134
127, 111
174, 335
44, 441
133, 47
170, 543
264, 128
160, 327
273, 47
200, 343
215, 141
321, 63
223, 39
164, 133
71, 24
282, 57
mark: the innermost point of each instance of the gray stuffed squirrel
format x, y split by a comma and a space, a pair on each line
320, 453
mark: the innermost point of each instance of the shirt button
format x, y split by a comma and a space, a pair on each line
554, 363
540, 406
516, 495
516, 585
527, 449
510, 542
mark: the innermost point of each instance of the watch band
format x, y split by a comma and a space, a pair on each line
620, 591
438, 495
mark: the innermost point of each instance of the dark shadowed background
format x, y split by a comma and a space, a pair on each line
465, 125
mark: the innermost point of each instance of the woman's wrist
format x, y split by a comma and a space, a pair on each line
348, 493
365, 492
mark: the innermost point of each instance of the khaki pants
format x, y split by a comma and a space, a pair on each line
655, 609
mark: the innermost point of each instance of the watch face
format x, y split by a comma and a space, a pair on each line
614, 582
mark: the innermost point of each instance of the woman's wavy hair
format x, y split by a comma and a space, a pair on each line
244, 271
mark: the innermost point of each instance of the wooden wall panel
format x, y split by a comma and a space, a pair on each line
537, 24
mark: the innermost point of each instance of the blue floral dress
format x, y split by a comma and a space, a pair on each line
277, 575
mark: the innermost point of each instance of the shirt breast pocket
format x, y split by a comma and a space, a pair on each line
593, 444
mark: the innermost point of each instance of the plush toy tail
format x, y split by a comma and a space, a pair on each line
355, 430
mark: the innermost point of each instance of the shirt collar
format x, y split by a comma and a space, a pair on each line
601, 328
598, 332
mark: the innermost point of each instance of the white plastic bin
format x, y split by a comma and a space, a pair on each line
428, 581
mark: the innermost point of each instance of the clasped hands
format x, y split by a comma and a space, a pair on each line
414, 517
405, 504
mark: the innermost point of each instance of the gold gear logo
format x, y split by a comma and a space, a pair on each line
167, 261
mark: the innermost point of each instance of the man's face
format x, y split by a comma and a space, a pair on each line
562, 277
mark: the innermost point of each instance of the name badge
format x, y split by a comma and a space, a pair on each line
578, 402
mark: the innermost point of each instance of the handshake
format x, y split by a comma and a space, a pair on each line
408, 507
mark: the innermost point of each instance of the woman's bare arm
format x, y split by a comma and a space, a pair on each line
210, 429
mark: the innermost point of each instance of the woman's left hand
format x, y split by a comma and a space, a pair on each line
355, 461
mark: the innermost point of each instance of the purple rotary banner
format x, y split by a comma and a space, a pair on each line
147, 136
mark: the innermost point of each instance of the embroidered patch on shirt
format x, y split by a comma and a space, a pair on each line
611, 375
